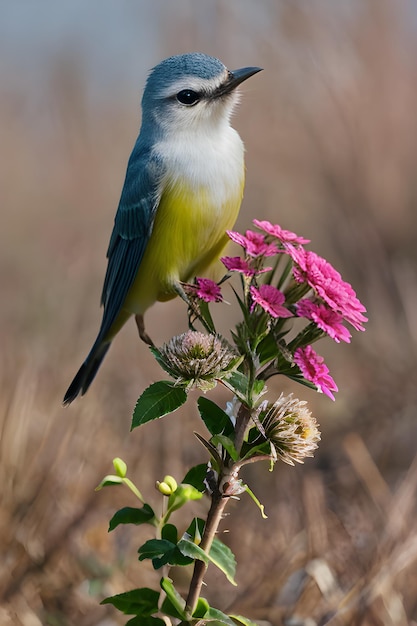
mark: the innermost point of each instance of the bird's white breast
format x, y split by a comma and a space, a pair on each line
210, 159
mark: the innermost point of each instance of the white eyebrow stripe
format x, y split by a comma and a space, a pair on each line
195, 84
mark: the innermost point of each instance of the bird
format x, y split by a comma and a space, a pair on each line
182, 192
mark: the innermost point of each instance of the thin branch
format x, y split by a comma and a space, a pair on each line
214, 517
242, 421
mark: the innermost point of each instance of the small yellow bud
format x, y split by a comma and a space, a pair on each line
120, 467
167, 486
170, 480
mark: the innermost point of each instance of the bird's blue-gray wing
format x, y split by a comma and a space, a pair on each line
132, 228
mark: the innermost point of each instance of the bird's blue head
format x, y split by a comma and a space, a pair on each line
188, 88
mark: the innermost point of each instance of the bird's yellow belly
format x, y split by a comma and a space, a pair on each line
187, 238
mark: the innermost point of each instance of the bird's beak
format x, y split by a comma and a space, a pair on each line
234, 79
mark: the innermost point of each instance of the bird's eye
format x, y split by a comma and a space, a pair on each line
188, 97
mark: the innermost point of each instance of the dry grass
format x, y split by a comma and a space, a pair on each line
332, 153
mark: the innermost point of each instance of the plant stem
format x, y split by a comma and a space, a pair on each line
242, 421
218, 503
214, 517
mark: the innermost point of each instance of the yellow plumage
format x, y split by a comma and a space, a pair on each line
188, 237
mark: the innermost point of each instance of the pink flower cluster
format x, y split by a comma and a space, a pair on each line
332, 303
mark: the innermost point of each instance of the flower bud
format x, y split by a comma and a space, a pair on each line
168, 486
120, 467
197, 359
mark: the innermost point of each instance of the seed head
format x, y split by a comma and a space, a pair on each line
291, 429
197, 359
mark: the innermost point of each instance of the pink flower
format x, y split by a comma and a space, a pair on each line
237, 264
328, 284
329, 321
253, 243
314, 369
208, 290
285, 236
270, 299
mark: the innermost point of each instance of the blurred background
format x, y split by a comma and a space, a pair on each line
330, 129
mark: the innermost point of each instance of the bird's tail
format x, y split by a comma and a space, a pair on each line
85, 375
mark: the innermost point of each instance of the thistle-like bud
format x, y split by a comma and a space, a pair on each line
197, 359
291, 429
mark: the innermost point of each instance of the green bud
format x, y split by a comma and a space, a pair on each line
170, 480
197, 536
163, 488
120, 467
168, 486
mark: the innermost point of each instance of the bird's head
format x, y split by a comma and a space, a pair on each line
191, 91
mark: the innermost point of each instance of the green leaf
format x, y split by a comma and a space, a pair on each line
162, 552
215, 419
201, 608
109, 480
238, 383
214, 615
301, 380
142, 601
216, 461
154, 547
227, 445
258, 387
206, 316
156, 401
131, 515
175, 602
267, 350
240, 619
191, 550
169, 532
139, 620
222, 556
247, 317
196, 477
285, 272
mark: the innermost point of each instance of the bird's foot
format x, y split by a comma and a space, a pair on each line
140, 323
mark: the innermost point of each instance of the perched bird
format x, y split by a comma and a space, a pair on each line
183, 190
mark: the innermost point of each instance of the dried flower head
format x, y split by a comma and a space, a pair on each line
197, 359
291, 429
